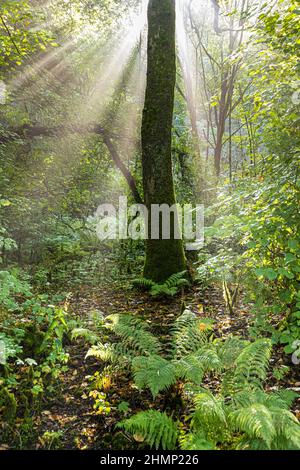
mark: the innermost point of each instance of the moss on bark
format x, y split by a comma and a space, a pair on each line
163, 257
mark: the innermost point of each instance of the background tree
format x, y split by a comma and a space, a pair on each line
163, 257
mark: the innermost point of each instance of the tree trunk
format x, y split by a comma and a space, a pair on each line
163, 257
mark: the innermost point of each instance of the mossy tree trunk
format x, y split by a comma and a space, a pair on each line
163, 257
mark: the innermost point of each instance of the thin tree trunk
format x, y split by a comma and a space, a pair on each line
230, 145
163, 257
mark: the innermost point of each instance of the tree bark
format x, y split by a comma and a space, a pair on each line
163, 257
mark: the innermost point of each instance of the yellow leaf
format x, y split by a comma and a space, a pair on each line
138, 438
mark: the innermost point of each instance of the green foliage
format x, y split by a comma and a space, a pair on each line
252, 364
32, 355
262, 419
153, 372
260, 236
240, 406
134, 340
169, 288
18, 36
134, 334
12, 285
158, 430
187, 335
195, 441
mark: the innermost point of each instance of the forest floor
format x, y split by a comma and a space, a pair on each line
71, 414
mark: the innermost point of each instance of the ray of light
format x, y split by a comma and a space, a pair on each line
188, 68
112, 69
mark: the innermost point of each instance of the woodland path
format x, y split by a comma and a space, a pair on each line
72, 414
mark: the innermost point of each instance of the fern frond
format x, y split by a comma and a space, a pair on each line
104, 352
230, 349
134, 334
209, 358
188, 368
209, 411
252, 365
287, 427
177, 280
182, 283
246, 443
158, 290
116, 353
187, 337
169, 287
155, 427
143, 282
195, 441
194, 366
153, 372
88, 335
282, 398
256, 421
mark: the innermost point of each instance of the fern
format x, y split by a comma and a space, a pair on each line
263, 417
187, 336
209, 412
114, 353
287, 428
195, 441
177, 280
163, 290
230, 349
262, 420
153, 372
282, 399
194, 366
188, 368
287, 434
169, 288
88, 335
133, 333
155, 427
251, 366
256, 421
209, 359
143, 282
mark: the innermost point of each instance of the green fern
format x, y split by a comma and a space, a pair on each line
88, 335
155, 427
287, 433
187, 338
116, 354
154, 373
230, 349
209, 412
134, 334
241, 414
169, 288
287, 429
194, 366
196, 441
177, 280
256, 421
251, 366
188, 368
143, 283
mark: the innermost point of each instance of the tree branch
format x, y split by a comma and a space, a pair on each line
31, 132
